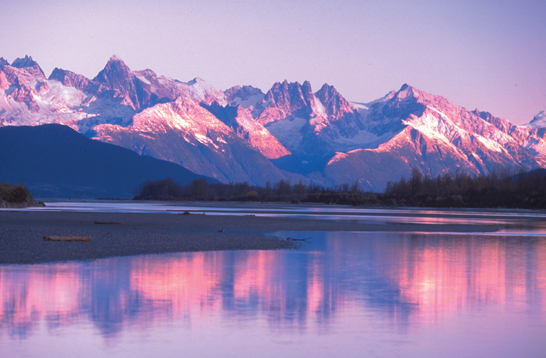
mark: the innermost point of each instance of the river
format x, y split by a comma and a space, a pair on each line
343, 294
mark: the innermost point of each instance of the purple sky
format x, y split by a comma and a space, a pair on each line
489, 55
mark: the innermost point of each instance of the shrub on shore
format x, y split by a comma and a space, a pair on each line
14, 193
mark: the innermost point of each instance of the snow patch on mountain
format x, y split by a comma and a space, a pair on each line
436, 127
52, 103
62, 97
362, 108
288, 131
246, 102
201, 91
339, 156
258, 136
143, 79
245, 96
539, 121
319, 118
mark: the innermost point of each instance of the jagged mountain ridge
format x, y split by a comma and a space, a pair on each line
313, 126
115, 94
290, 132
108, 108
437, 137
245, 96
538, 121
186, 133
405, 129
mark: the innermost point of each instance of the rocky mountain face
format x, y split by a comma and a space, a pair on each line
240, 120
245, 96
290, 132
539, 121
149, 114
186, 133
314, 126
333, 141
437, 137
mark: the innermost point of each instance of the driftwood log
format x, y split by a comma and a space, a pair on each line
68, 238
292, 239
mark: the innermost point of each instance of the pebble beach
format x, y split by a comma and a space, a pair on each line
122, 234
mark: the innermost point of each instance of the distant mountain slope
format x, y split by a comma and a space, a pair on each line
539, 121
54, 161
245, 96
333, 142
436, 137
185, 133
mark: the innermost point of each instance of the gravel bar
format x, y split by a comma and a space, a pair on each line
123, 234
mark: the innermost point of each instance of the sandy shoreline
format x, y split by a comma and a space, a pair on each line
22, 232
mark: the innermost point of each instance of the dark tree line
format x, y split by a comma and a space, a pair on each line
281, 191
14, 193
503, 188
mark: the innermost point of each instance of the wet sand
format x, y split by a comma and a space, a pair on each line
22, 232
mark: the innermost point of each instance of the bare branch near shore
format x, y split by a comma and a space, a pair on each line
293, 239
68, 238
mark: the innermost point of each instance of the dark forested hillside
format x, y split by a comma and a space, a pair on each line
54, 161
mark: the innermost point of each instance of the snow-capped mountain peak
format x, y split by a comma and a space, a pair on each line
71, 79
116, 75
335, 104
27, 61
405, 91
539, 121
284, 100
28, 67
201, 91
246, 96
197, 81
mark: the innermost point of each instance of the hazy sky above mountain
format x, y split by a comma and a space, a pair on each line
488, 54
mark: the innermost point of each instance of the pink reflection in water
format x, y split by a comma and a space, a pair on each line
392, 291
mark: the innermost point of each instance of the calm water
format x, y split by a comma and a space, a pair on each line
521, 221
342, 295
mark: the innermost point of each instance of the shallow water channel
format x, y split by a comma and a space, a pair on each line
343, 294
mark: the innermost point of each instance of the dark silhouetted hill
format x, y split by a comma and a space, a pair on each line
54, 161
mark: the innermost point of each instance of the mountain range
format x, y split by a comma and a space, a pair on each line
289, 132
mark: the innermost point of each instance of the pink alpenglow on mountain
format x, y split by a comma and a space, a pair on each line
438, 137
289, 133
186, 133
240, 120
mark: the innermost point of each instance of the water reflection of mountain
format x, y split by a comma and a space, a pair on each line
401, 278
